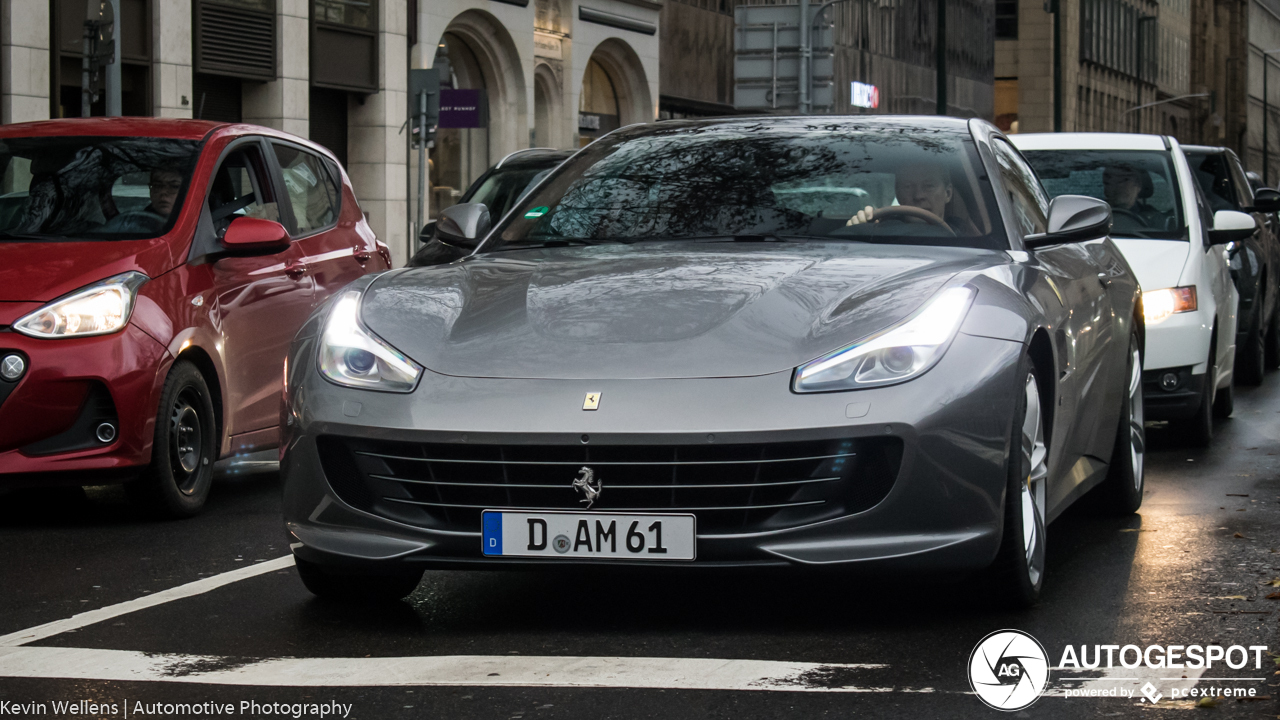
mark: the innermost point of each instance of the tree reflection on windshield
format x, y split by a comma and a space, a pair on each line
91, 188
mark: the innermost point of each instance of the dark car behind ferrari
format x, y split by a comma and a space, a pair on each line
1254, 262
500, 187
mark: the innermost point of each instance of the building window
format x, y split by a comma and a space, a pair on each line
236, 38
1006, 19
67, 48
352, 13
344, 45
1119, 37
329, 121
1007, 104
216, 97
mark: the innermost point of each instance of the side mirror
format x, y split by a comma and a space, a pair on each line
1073, 218
1231, 226
427, 232
256, 234
1266, 200
464, 225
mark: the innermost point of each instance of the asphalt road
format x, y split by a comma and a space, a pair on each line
1207, 536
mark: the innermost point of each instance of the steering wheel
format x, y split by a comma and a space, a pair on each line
1132, 215
139, 219
909, 212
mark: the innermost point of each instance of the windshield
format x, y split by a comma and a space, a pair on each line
91, 188
1139, 184
502, 188
1214, 177
882, 183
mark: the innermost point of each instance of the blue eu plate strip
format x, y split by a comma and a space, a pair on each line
492, 533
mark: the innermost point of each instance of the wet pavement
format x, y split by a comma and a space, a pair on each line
1187, 570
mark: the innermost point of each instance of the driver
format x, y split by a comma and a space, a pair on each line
1123, 185
164, 188
925, 185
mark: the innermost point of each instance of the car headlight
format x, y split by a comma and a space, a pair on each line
353, 356
98, 309
897, 354
1158, 305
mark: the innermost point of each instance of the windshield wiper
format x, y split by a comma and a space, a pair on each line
766, 237
556, 243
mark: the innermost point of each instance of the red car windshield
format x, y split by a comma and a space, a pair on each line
57, 189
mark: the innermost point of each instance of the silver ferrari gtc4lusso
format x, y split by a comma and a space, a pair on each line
836, 341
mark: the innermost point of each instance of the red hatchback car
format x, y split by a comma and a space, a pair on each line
152, 275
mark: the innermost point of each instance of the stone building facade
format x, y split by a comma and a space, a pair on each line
1264, 38
889, 44
1175, 67
554, 73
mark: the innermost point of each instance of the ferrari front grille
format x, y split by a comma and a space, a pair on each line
730, 487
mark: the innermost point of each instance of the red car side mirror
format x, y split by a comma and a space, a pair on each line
246, 233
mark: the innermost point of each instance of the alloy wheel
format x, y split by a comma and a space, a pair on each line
1034, 456
1137, 433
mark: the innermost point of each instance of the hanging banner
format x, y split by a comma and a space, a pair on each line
462, 109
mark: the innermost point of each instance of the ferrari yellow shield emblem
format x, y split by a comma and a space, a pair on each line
592, 402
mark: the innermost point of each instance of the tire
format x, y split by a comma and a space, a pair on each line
1198, 429
357, 587
1252, 361
1017, 575
1122, 488
176, 483
1224, 402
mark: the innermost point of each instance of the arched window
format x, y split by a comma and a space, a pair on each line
598, 104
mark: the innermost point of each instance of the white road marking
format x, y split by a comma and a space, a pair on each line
198, 587
455, 670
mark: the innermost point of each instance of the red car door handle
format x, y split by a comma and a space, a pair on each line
360, 254
296, 270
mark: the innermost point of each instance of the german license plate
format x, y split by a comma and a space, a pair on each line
589, 535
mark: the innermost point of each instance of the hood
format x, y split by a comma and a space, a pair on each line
42, 271
1156, 263
654, 311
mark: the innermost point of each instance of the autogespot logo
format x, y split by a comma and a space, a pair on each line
1008, 670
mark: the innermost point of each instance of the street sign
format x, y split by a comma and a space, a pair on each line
427, 81
766, 65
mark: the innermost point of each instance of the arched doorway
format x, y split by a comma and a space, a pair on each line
480, 55
597, 105
615, 91
460, 154
548, 108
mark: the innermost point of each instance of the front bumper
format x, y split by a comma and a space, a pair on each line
943, 511
1179, 340
49, 416
1177, 403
